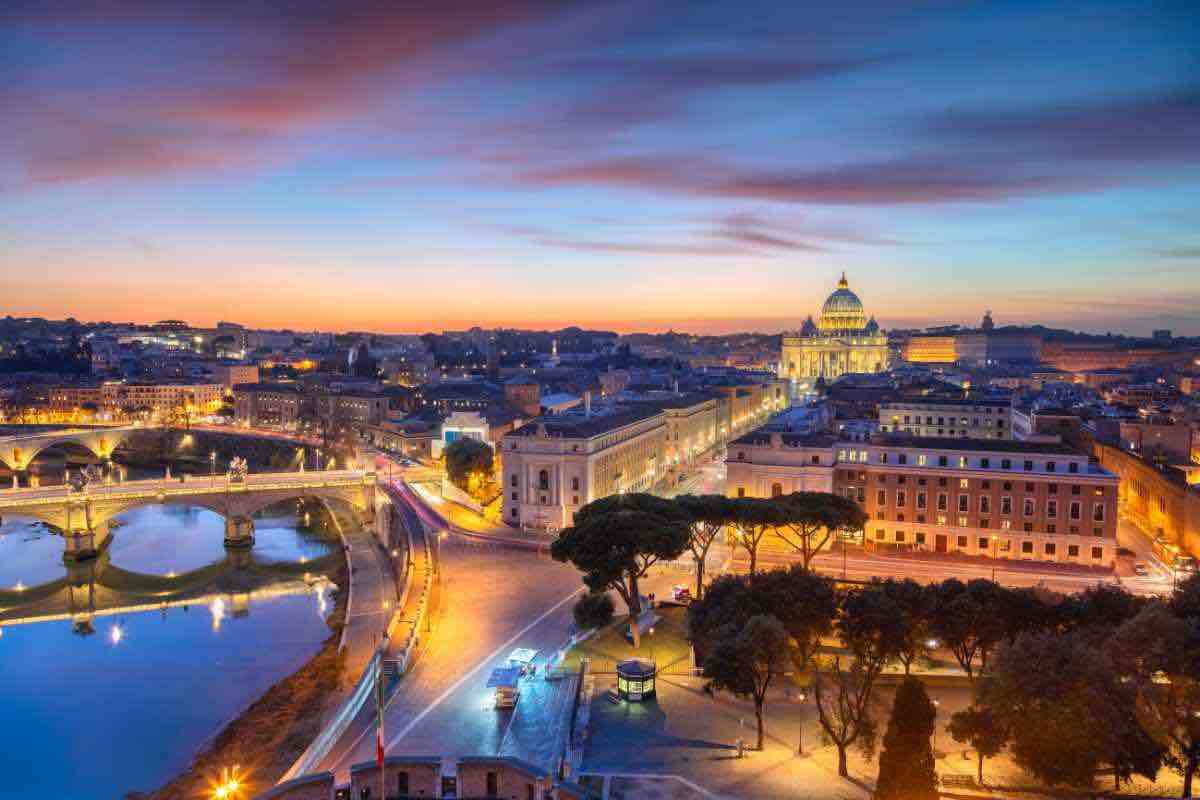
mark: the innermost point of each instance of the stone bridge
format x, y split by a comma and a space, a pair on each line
96, 587
83, 516
18, 451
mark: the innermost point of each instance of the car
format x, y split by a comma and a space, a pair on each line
1125, 551
681, 594
1140, 569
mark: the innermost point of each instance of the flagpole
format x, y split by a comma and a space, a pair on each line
379, 720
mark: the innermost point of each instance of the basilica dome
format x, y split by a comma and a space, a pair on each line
843, 311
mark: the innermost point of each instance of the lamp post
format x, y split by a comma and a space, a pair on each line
800, 698
995, 544
212, 463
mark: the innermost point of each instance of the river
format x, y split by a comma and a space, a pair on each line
126, 705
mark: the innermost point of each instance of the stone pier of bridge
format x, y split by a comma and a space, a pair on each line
239, 532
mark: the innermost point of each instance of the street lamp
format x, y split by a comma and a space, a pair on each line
212, 463
800, 698
995, 544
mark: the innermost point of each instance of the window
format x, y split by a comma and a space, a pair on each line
513, 480
816, 459
880, 535
1008, 486
1098, 512
1029, 466
920, 537
1006, 463
776, 490
985, 463
985, 485
402, 783
1027, 547
1075, 489
1072, 466
493, 784
964, 502
962, 543
1052, 488
515, 497
921, 460
1005, 505
1051, 508
942, 461
1051, 528
899, 536
1029, 507
1050, 466
1097, 553
962, 521
984, 523
741, 491
574, 499
942, 501
900, 498
985, 504
983, 543
1029, 487
921, 500
1027, 527
963, 483
881, 497
1005, 524
941, 481
1073, 550
941, 519
1049, 549
902, 458
529, 792
884, 456
575, 484
544, 480
1075, 512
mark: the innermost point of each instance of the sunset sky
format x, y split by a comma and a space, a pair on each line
401, 166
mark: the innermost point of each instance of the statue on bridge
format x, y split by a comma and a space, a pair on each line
238, 469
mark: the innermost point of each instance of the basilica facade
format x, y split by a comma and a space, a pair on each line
843, 340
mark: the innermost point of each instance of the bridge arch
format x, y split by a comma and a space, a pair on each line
17, 452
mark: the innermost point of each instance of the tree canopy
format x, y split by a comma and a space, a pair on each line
906, 769
466, 457
616, 539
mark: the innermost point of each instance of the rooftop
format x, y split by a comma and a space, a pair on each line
976, 445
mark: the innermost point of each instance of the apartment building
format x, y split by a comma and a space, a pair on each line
991, 498
157, 399
958, 418
267, 404
557, 463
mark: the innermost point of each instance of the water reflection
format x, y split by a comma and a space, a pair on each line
99, 715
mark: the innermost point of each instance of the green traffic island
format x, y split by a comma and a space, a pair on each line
665, 644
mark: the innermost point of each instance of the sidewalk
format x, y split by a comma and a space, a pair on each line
372, 595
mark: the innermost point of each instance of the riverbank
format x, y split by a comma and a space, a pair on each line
266, 738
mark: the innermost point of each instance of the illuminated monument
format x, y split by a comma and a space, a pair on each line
842, 341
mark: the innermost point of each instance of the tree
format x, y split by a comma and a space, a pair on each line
466, 458
805, 604
1067, 710
1185, 601
616, 539
1159, 653
747, 658
809, 520
906, 769
593, 610
709, 515
912, 606
754, 518
1100, 606
843, 698
870, 627
979, 729
967, 620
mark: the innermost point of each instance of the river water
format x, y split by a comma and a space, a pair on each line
126, 706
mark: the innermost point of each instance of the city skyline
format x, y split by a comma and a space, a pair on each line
634, 167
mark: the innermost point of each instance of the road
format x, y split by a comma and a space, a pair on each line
494, 598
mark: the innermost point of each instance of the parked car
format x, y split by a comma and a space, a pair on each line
1140, 569
681, 594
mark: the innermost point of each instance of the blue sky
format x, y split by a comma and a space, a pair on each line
704, 166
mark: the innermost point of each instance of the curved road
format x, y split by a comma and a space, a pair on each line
494, 598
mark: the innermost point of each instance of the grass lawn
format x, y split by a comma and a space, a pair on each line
668, 645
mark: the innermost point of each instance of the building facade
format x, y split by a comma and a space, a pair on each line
557, 463
965, 419
998, 499
843, 340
